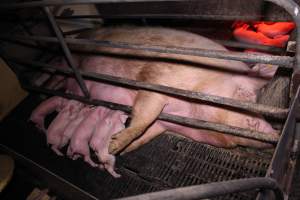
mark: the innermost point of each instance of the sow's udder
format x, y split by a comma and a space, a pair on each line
103, 129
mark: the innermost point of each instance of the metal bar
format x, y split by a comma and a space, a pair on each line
195, 123
279, 166
67, 52
242, 45
150, 16
69, 2
266, 110
166, 16
245, 57
60, 186
211, 190
223, 42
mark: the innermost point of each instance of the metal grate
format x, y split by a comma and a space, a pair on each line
176, 162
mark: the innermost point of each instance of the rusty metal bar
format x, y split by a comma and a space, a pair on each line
211, 190
266, 110
67, 52
195, 123
245, 57
242, 45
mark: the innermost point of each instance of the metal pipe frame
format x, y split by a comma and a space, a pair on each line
286, 138
276, 113
283, 61
211, 190
66, 51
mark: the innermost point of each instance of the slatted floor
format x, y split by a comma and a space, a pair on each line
167, 162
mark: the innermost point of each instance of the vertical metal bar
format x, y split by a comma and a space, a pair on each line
67, 52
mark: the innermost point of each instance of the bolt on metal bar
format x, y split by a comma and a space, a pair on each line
211, 190
69, 2
67, 52
284, 61
266, 110
195, 123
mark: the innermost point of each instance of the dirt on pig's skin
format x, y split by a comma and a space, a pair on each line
212, 76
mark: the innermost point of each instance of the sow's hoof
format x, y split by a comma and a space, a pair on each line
119, 141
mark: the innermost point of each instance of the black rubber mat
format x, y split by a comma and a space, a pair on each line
167, 162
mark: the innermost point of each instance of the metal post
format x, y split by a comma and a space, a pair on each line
67, 52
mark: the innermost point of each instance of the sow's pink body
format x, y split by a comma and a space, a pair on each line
103, 130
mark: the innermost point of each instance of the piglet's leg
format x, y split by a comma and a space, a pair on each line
46, 107
58, 125
80, 140
111, 122
73, 125
146, 109
155, 130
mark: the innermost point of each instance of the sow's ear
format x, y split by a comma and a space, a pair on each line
263, 70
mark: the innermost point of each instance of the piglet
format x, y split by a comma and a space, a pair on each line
46, 107
58, 125
79, 144
112, 122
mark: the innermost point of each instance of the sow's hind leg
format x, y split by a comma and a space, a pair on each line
146, 109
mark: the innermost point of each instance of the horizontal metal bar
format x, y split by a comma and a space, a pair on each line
211, 190
69, 2
266, 110
242, 45
234, 44
245, 57
166, 16
195, 123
